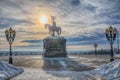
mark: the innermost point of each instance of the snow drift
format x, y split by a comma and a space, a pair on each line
110, 71
8, 70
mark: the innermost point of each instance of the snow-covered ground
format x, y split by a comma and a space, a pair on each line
36, 74
8, 70
71, 68
117, 55
110, 71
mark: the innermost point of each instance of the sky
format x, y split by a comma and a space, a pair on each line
83, 22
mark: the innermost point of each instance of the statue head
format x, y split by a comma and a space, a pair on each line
53, 21
52, 18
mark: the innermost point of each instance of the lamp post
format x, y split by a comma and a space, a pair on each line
118, 41
95, 46
10, 36
111, 36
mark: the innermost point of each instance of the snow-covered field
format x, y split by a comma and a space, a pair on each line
8, 70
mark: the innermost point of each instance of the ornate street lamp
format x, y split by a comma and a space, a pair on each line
10, 36
111, 36
118, 41
95, 46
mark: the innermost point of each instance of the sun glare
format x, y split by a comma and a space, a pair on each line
43, 19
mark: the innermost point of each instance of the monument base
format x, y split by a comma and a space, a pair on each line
54, 47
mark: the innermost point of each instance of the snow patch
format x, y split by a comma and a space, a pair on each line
117, 55
63, 64
8, 70
110, 71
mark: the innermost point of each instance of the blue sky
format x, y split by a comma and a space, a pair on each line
83, 22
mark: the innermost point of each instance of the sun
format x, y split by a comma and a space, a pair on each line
43, 19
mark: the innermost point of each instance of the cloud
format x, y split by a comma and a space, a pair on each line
75, 2
81, 20
107, 23
10, 22
91, 8
32, 41
87, 40
77, 22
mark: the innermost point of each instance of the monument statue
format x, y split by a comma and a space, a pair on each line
53, 28
54, 45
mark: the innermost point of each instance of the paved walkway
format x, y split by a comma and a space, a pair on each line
37, 68
36, 74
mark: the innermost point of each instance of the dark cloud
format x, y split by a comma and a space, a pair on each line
111, 14
77, 22
87, 40
30, 33
107, 22
91, 8
9, 22
75, 2
10, 4
32, 41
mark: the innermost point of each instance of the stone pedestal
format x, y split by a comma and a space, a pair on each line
54, 47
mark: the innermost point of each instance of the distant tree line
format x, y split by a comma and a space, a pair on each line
99, 52
17, 53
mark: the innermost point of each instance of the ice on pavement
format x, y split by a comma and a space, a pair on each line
110, 71
8, 70
36, 74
